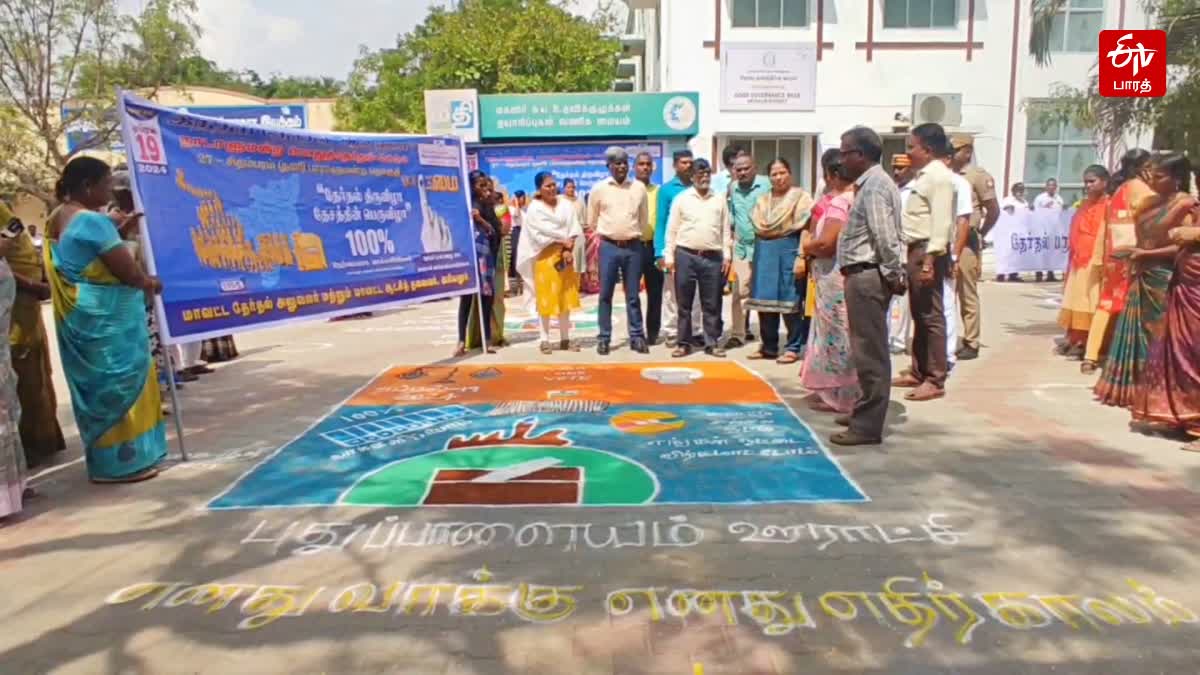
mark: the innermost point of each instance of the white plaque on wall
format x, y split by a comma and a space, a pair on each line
768, 76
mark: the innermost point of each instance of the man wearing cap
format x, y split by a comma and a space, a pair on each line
969, 266
618, 211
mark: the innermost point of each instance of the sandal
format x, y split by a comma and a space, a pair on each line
545, 348
681, 352
1088, 367
760, 355
788, 358
460, 351
568, 346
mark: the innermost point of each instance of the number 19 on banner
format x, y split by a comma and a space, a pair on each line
147, 143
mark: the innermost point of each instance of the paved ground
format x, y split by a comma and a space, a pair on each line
1065, 543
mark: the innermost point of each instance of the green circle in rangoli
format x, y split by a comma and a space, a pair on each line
507, 475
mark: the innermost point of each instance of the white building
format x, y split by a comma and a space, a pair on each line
787, 77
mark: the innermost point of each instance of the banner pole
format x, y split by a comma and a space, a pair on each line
175, 403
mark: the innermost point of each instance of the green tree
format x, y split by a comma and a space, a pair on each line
494, 46
1175, 118
61, 62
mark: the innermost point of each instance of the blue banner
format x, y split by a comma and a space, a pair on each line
250, 227
514, 166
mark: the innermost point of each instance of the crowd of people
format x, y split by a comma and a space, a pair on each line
90, 266
1131, 302
821, 274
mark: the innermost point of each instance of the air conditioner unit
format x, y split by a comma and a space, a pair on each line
943, 109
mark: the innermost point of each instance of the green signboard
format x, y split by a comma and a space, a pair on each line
604, 114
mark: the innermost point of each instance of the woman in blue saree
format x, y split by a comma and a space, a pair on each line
99, 291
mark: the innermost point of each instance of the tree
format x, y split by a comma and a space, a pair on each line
1175, 118
61, 62
493, 46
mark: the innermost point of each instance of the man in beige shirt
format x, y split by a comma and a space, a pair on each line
928, 227
699, 250
618, 210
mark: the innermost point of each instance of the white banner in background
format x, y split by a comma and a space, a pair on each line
1032, 241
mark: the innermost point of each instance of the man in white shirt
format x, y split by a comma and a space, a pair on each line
1050, 199
900, 315
963, 208
1015, 199
699, 251
617, 211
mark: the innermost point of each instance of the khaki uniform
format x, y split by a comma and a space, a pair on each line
983, 189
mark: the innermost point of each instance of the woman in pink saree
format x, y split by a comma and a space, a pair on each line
828, 371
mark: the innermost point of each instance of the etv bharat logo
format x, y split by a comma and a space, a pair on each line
1133, 63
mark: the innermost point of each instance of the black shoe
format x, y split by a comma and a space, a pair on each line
1039, 276
751, 337
653, 340
734, 343
602, 349
967, 354
1050, 276
1015, 278
698, 341
639, 345
715, 351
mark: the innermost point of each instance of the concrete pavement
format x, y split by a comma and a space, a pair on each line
1013, 527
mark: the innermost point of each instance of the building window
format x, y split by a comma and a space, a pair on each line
765, 150
1077, 26
920, 13
1057, 149
770, 13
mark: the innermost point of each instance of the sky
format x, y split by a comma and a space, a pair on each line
305, 37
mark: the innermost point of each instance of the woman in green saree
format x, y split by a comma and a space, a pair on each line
99, 291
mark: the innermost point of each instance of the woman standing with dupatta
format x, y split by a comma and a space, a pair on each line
777, 283
1081, 291
828, 371
41, 435
1168, 390
546, 260
1151, 267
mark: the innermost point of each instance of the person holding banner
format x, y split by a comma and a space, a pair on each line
1127, 190
487, 230
99, 291
546, 260
1081, 292
1151, 268
500, 247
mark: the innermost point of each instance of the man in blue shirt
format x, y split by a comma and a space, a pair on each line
666, 197
743, 195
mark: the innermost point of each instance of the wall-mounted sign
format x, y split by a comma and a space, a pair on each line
452, 112
592, 115
768, 77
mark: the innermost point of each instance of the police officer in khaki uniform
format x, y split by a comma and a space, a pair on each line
983, 218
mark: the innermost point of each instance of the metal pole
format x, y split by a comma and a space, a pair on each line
175, 403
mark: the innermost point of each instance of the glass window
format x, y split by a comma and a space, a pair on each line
920, 13
1056, 149
1077, 26
769, 13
